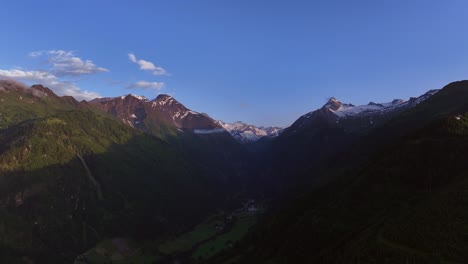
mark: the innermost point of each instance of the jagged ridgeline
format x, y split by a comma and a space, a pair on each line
71, 175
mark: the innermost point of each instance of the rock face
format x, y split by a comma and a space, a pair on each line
45, 90
130, 109
164, 111
354, 118
246, 133
174, 112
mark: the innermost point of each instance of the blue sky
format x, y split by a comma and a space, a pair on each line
262, 62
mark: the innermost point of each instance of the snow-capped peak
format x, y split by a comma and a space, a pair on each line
139, 97
333, 104
416, 100
245, 133
346, 110
342, 110
106, 99
163, 99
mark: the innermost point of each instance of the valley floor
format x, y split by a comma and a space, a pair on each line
216, 233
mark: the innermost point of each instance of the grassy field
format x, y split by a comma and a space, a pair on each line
215, 234
187, 241
108, 252
226, 240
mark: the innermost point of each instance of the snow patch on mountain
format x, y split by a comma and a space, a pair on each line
139, 97
163, 100
136, 110
123, 97
342, 110
246, 133
350, 110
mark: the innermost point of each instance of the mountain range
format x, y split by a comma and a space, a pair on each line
165, 111
246, 133
368, 192
382, 182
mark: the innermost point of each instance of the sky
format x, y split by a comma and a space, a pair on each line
264, 62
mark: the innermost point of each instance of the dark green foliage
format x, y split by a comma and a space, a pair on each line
403, 201
18, 103
407, 205
148, 188
71, 176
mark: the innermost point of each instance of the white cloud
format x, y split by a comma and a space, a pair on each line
50, 80
132, 57
65, 63
35, 54
63, 66
148, 66
147, 85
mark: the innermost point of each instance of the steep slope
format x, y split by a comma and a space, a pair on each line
311, 141
405, 204
19, 102
246, 133
451, 100
70, 177
76, 177
197, 136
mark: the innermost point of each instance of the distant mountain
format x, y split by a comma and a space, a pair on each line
355, 118
396, 193
246, 133
197, 135
162, 116
315, 138
342, 110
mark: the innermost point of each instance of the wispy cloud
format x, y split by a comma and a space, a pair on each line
147, 85
66, 63
148, 66
64, 66
50, 80
35, 54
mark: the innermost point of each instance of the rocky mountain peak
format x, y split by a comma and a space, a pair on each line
163, 97
246, 133
376, 104
43, 89
398, 101
133, 96
333, 104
